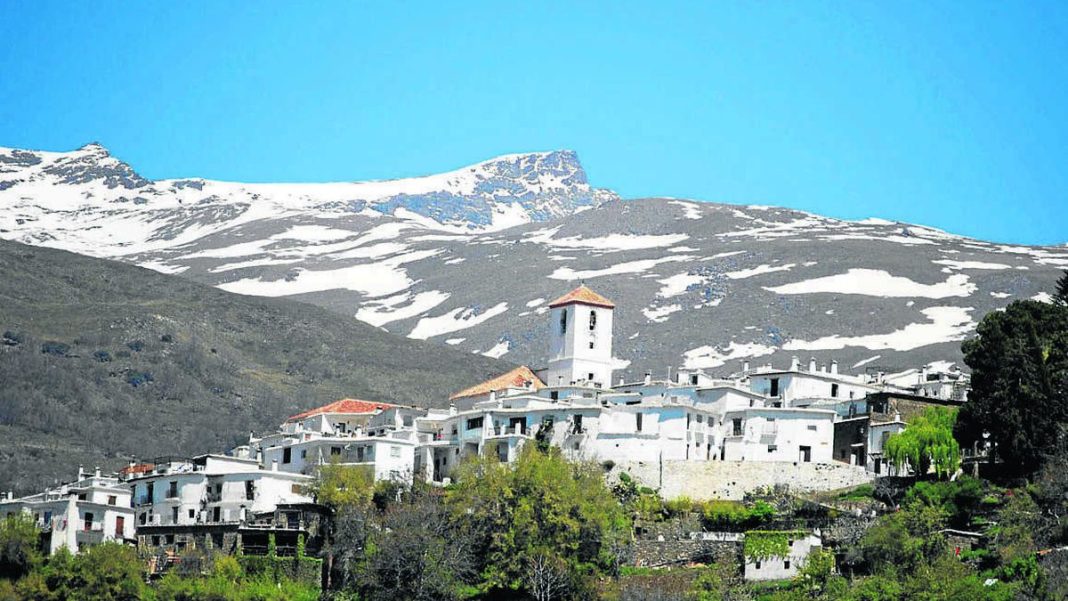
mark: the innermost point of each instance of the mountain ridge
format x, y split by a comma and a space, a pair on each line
698, 284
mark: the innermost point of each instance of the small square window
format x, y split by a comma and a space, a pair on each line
757, 565
786, 564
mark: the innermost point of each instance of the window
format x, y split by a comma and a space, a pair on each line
334, 451
394, 451
693, 379
772, 448
578, 424
474, 423
554, 395
174, 515
593, 320
172, 489
757, 564
737, 423
786, 564
192, 513
589, 377
407, 421
638, 421
88, 522
812, 428
700, 418
774, 387
806, 454
113, 500
563, 321
287, 455
591, 344
216, 514
834, 391
250, 490
304, 453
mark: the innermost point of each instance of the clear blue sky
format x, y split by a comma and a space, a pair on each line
953, 114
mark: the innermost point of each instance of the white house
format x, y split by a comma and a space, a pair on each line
211, 489
783, 567
88, 511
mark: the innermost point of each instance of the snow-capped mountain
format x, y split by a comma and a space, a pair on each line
90, 202
470, 258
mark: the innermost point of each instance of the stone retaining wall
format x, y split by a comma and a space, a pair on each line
701, 480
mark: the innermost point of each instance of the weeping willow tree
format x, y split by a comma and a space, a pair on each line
926, 443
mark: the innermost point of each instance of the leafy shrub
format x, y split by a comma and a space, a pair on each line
138, 378
102, 356
166, 338
136, 345
52, 347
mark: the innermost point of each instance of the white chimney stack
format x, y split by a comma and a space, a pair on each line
812, 364
745, 366
81, 472
96, 472
452, 409
795, 363
834, 366
274, 465
648, 377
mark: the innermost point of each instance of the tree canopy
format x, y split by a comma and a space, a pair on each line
1019, 395
927, 443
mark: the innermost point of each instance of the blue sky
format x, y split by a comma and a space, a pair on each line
952, 114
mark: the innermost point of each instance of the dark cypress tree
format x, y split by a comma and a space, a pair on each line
1061, 294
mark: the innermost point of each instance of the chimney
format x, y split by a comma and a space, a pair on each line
745, 366
795, 363
923, 375
452, 408
834, 367
620, 380
823, 368
812, 364
493, 395
81, 472
96, 472
274, 465
648, 377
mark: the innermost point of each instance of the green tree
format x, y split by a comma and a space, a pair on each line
539, 503
905, 539
927, 442
1060, 296
1019, 394
19, 545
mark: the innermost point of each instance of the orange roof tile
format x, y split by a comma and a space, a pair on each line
583, 295
344, 406
517, 378
139, 468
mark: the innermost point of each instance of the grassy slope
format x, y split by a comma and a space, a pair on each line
221, 364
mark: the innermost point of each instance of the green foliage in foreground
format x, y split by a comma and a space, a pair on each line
764, 544
927, 443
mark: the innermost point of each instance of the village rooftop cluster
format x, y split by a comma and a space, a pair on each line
781, 418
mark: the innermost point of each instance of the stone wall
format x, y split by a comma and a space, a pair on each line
660, 553
702, 480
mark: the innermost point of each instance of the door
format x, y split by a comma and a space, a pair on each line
120, 527
806, 454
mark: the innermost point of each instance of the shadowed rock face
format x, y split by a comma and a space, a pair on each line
470, 258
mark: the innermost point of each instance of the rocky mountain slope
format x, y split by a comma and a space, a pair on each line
100, 360
470, 258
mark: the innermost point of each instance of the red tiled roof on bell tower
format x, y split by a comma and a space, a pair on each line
583, 295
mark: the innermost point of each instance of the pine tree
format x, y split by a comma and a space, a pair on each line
1061, 295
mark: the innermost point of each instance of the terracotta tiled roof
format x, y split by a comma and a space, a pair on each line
583, 295
344, 406
139, 468
517, 378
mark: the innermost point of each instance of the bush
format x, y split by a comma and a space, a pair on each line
136, 345
138, 378
52, 347
102, 356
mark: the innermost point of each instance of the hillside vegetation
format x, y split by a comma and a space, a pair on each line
101, 361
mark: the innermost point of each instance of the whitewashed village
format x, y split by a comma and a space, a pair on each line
803, 427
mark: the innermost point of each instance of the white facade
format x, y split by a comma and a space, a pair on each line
580, 345
212, 489
88, 511
783, 568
